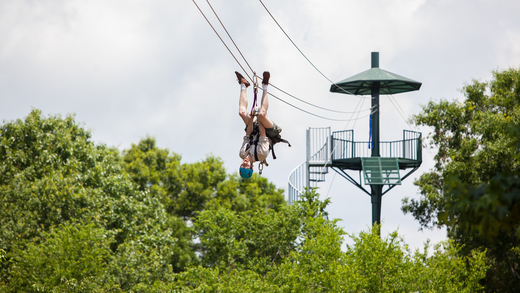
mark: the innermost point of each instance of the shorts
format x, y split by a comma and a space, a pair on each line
273, 131
270, 132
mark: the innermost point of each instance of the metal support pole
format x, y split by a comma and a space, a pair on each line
375, 108
376, 190
377, 196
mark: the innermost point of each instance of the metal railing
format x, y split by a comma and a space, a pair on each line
297, 182
317, 144
322, 147
345, 147
313, 170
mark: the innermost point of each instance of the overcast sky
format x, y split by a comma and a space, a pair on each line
129, 69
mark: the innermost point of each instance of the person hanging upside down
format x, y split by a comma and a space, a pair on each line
260, 129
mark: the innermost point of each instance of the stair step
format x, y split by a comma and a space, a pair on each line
381, 171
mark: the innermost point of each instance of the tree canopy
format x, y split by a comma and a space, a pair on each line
53, 177
474, 187
81, 217
186, 189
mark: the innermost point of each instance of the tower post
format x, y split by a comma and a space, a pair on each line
376, 190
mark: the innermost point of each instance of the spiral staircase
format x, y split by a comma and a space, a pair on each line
316, 166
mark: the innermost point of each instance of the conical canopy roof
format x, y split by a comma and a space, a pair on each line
389, 83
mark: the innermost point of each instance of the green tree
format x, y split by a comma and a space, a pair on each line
52, 174
253, 240
315, 261
188, 188
255, 193
473, 189
64, 253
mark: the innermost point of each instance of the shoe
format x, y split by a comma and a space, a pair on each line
266, 76
241, 79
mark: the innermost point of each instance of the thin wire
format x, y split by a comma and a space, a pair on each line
346, 126
222, 40
301, 50
392, 99
331, 183
312, 113
255, 74
399, 106
410, 125
230, 36
355, 121
401, 112
313, 104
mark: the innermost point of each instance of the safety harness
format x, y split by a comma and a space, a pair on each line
254, 137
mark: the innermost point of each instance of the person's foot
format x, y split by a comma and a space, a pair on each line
266, 76
241, 79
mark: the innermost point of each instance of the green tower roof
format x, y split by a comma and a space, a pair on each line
389, 83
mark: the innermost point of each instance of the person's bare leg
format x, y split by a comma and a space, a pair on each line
242, 102
242, 107
262, 115
250, 126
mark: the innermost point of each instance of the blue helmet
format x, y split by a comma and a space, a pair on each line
246, 173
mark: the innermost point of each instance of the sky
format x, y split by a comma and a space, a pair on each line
129, 69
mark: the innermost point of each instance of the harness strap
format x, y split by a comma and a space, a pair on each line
255, 84
253, 141
256, 152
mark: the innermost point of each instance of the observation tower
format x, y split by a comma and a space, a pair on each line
378, 163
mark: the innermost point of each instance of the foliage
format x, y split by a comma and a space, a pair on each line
317, 264
51, 174
183, 188
255, 193
65, 252
475, 148
474, 187
80, 217
253, 240
186, 189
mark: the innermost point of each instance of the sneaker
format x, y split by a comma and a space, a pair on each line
266, 76
241, 79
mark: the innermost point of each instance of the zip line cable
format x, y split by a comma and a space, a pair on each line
222, 40
251, 79
362, 100
230, 37
313, 104
222, 24
313, 113
301, 50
